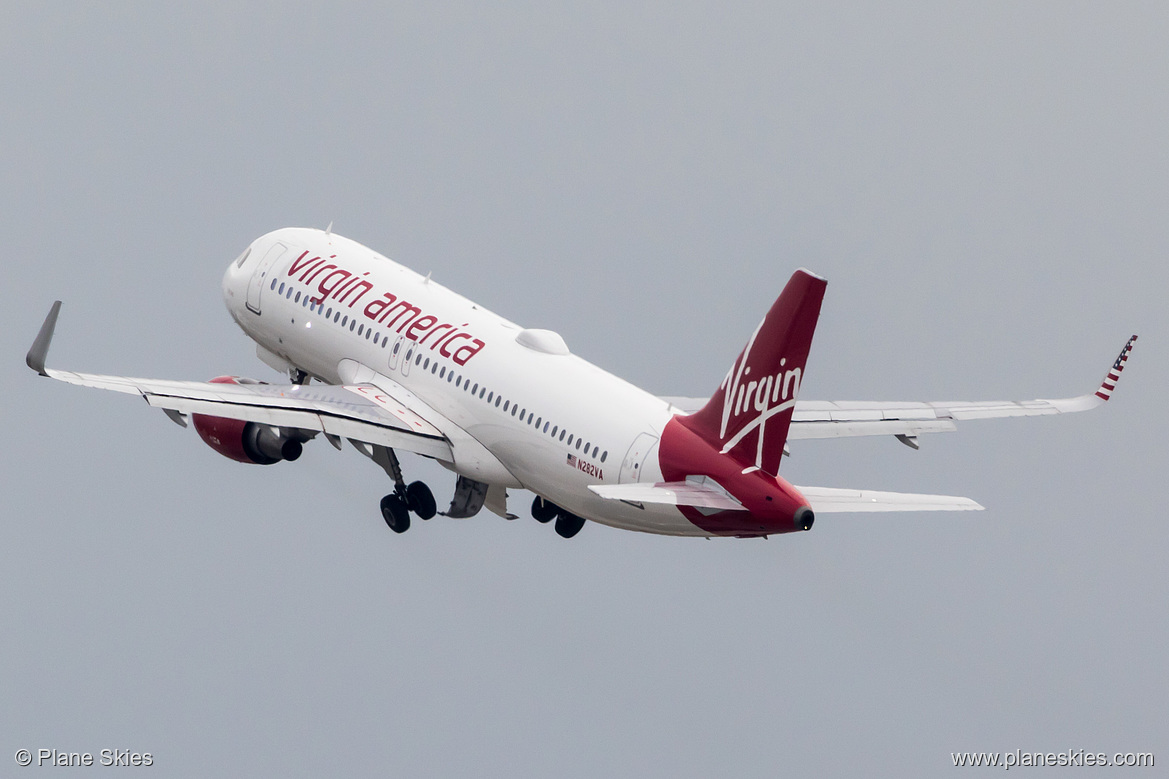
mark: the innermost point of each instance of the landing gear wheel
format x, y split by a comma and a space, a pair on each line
568, 525
542, 510
395, 513
420, 500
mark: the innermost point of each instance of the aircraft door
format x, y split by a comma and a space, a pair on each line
634, 462
395, 352
408, 358
260, 275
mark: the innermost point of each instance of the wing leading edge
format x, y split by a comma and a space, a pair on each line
359, 411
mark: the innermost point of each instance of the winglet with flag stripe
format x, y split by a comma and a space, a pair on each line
1109, 383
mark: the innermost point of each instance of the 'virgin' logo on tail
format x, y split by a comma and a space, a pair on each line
763, 383
758, 399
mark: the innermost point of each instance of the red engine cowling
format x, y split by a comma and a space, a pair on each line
245, 442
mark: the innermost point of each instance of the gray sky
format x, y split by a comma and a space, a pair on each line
984, 186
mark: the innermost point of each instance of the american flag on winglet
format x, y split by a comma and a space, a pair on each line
572, 460
1113, 376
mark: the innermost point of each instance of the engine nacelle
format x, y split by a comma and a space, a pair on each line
245, 442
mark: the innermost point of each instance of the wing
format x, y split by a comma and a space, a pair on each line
907, 420
358, 411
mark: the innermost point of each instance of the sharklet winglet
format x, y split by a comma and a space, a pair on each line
39, 352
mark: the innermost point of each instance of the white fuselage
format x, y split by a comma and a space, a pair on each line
553, 422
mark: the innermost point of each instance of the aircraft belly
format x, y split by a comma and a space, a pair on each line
544, 469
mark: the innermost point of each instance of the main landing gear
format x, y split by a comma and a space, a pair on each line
567, 523
404, 500
415, 498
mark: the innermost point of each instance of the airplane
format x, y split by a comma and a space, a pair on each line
392, 361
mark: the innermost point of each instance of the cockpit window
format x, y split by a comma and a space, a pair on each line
239, 263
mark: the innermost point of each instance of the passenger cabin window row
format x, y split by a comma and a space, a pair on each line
546, 427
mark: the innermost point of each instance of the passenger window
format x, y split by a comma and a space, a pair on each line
297, 297
562, 432
434, 368
273, 284
427, 364
475, 388
578, 444
281, 288
490, 395
570, 440
450, 377
513, 411
554, 429
482, 392
352, 325
545, 424
442, 373
345, 321
418, 359
506, 404
497, 399
360, 329
604, 454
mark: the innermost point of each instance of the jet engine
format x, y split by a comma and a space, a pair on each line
247, 442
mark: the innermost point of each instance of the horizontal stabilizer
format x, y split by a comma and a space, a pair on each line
828, 500
700, 494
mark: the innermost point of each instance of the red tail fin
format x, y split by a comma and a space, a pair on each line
748, 417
